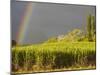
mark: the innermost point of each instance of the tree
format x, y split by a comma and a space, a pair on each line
93, 23
91, 28
74, 36
13, 43
89, 34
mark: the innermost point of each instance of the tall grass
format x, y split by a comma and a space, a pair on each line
55, 55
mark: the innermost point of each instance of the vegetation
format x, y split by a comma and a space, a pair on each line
53, 56
14, 43
91, 28
75, 50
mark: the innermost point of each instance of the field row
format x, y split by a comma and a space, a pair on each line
53, 56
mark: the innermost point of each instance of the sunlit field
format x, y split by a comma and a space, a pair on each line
54, 57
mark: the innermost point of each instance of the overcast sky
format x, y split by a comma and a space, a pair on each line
48, 20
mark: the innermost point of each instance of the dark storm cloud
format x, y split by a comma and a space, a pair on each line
49, 20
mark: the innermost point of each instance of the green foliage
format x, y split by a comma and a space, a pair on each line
91, 28
78, 35
53, 39
74, 36
55, 55
93, 23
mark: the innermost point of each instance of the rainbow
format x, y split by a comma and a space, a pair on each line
24, 23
